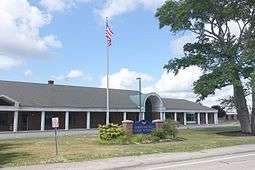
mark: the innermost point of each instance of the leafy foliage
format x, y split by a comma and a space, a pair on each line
159, 133
170, 128
168, 131
220, 52
110, 132
221, 111
226, 56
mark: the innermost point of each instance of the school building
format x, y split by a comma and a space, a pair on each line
30, 106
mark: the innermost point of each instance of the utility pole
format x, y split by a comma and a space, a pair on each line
140, 93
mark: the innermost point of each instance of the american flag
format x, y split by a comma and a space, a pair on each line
108, 34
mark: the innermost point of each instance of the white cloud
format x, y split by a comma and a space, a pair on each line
181, 85
72, 74
117, 7
176, 45
8, 62
124, 79
20, 30
28, 73
169, 85
59, 5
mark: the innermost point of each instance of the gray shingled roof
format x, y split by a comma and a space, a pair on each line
181, 104
45, 95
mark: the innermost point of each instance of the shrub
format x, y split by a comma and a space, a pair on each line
121, 140
110, 132
159, 133
170, 129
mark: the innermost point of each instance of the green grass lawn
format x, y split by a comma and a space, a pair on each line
19, 152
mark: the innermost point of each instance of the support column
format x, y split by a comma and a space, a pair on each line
216, 121
164, 116
42, 120
206, 118
107, 119
161, 115
198, 118
141, 116
185, 118
15, 121
124, 116
88, 120
175, 116
67, 121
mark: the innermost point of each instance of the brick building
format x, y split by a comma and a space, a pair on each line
30, 106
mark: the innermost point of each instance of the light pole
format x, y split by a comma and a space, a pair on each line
140, 94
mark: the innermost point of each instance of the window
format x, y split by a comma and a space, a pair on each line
190, 118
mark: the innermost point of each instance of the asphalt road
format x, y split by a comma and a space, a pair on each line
231, 162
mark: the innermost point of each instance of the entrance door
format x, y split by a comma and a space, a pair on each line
148, 110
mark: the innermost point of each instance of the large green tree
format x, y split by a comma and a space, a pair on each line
224, 53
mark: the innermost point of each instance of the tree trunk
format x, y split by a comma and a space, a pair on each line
253, 103
241, 106
253, 112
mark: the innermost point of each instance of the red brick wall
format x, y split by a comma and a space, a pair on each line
79, 120
97, 118
6, 121
116, 118
133, 116
155, 115
61, 118
34, 121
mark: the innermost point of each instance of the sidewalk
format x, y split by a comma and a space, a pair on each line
136, 161
48, 133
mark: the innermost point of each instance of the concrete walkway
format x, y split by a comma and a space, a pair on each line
140, 162
48, 133
195, 126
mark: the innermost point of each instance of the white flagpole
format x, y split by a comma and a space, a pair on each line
107, 77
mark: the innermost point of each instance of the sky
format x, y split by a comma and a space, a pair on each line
63, 40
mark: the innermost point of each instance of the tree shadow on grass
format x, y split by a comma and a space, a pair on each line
7, 155
219, 129
234, 134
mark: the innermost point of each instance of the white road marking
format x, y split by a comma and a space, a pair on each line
200, 162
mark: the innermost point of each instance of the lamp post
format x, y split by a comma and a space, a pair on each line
140, 93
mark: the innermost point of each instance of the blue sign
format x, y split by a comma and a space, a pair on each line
143, 127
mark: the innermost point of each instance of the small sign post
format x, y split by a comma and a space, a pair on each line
55, 125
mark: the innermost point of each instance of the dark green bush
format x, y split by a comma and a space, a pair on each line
110, 132
170, 129
160, 133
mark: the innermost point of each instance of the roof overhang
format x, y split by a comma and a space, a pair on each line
9, 99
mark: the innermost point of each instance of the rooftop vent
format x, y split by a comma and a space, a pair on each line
51, 82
